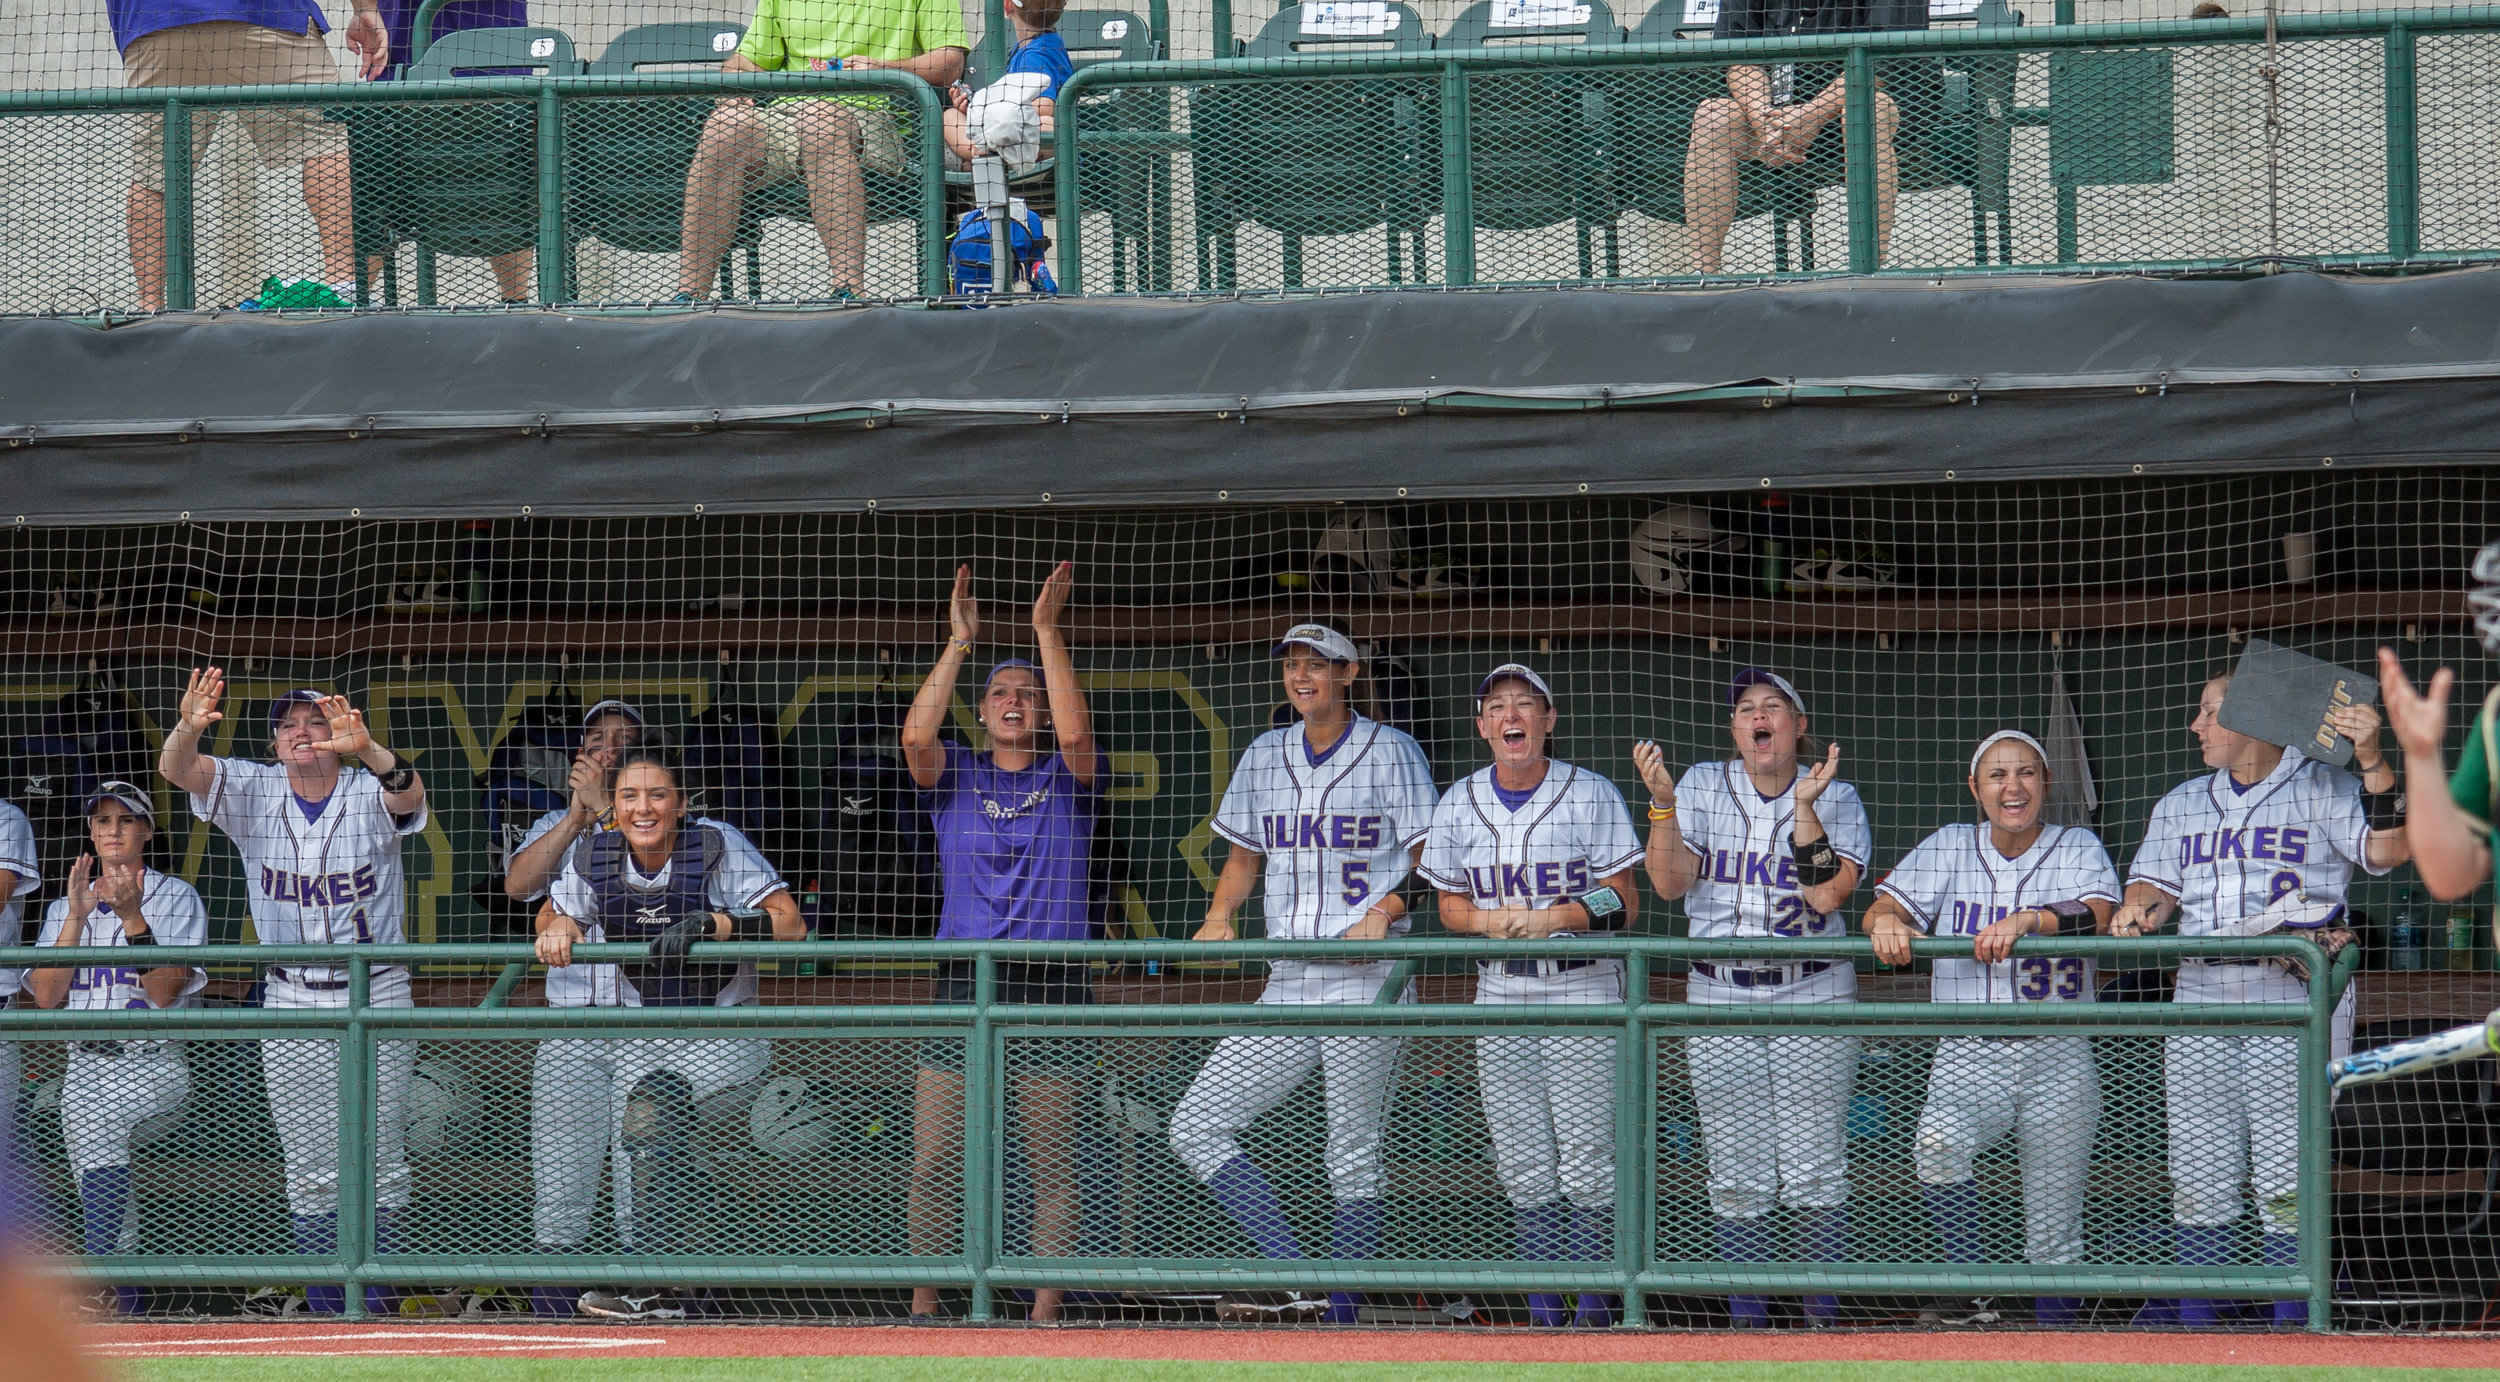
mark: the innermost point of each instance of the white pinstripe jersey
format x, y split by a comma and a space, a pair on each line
329, 879
1571, 832
2225, 854
1337, 835
1748, 880
17, 855
1956, 884
175, 916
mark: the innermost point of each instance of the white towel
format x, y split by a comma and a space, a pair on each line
1003, 121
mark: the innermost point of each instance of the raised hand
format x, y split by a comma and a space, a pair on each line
589, 784
1812, 783
82, 900
2360, 724
2419, 718
1651, 761
121, 887
348, 735
963, 613
200, 699
1053, 598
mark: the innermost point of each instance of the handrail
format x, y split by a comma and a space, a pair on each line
548, 92
985, 1266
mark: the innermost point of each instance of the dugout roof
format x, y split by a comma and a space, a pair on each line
1356, 396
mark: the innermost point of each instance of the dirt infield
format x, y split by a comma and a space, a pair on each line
1278, 1346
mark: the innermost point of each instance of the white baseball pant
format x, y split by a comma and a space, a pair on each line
1245, 1076
1549, 1101
578, 1090
302, 1080
1774, 1109
2046, 1091
2234, 1101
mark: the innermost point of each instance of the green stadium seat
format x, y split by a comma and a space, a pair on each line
629, 156
630, 165
1544, 142
451, 177
1318, 156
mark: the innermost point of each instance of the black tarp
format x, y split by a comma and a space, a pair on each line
1345, 396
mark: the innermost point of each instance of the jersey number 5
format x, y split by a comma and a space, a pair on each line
1356, 878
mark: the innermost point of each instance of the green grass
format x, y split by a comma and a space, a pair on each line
870, 1369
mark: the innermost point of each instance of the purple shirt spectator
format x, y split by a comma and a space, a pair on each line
1015, 849
136, 19
400, 16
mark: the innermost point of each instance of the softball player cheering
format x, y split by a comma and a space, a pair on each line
321, 859
1533, 847
2267, 826
112, 1087
1995, 882
608, 729
1328, 814
1758, 847
1015, 832
629, 1100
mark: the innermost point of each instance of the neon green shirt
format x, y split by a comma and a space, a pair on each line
2478, 769
800, 35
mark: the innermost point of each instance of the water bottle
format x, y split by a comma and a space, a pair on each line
2404, 939
2460, 953
1771, 545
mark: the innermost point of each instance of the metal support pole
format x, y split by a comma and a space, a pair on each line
1219, 29
550, 195
1858, 113
2069, 237
1458, 192
1636, 1158
355, 1142
1071, 222
989, 192
927, 108
983, 1129
2404, 151
997, 40
2314, 1204
179, 293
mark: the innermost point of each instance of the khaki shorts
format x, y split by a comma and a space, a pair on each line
225, 53
880, 147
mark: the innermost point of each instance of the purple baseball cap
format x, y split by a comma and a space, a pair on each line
615, 706
1006, 662
1755, 676
302, 695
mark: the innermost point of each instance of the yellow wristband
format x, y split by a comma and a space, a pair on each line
1661, 813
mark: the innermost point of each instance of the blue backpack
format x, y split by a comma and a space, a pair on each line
968, 254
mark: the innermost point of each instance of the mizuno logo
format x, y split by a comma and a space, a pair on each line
855, 806
651, 912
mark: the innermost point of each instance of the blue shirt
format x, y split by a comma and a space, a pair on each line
136, 19
400, 17
1046, 54
1015, 849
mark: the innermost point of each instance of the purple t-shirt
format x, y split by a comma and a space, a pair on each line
133, 20
1016, 849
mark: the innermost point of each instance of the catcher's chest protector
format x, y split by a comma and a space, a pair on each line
630, 912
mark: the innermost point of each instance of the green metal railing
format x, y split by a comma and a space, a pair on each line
550, 97
984, 1268
2397, 30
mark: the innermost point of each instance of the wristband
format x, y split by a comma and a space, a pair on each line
2073, 918
2384, 810
398, 777
1817, 863
143, 938
1605, 908
750, 924
1660, 813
